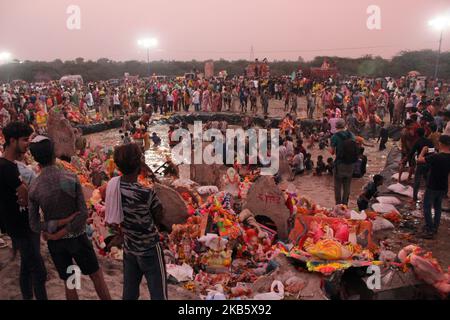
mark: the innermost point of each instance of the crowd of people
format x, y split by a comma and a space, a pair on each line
339, 110
363, 101
357, 106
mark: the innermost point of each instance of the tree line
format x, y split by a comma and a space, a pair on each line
423, 61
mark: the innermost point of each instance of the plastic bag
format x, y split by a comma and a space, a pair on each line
404, 176
358, 216
389, 200
181, 273
272, 295
341, 211
401, 189
381, 224
216, 293
295, 285
387, 256
383, 207
214, 242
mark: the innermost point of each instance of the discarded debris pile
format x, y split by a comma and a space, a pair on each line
248, 239
222, 252
224, 249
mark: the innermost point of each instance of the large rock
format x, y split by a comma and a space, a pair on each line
266, 199
80, 141
174, 207
205, 174
285, 170
392, 167
192, 193
62, 134
103, 126
393, 131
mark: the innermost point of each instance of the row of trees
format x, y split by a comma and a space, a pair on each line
423, 61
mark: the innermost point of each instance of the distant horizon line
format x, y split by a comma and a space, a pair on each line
233, 60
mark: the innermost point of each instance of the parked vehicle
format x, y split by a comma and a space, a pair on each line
69, 79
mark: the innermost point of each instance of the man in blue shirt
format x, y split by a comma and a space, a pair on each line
343, 145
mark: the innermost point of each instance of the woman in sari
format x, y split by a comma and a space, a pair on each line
206, 100
217, 98
175, 100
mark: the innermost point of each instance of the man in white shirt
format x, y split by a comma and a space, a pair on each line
333, 121
298, 164
196, 100
283, 152
390, 85
116, 103
170, 100
89, 100
289, 149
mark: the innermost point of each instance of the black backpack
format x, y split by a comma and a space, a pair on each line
348, 152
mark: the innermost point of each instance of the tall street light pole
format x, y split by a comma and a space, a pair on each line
438, 56
148, 62
440, 24
148, 44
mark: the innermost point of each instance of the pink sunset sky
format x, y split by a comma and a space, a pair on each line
213, 29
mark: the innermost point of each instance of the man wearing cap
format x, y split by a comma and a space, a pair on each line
344, 147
